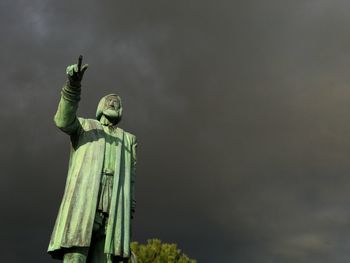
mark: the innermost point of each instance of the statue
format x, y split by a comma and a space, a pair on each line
94, 219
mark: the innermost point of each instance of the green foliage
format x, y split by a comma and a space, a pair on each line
157, 252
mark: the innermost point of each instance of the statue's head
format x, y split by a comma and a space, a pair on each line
111, 107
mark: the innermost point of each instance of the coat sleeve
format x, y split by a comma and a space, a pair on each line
133, 174
65, 118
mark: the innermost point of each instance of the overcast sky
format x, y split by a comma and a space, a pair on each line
241, 109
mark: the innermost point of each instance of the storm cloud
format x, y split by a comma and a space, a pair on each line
240, 108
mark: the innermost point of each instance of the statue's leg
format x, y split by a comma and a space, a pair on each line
76, 255
96, 251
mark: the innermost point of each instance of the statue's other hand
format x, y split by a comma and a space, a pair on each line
76, 72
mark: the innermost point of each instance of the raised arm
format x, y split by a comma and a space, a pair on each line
65, 117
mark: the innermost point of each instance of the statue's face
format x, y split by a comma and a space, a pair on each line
111, 107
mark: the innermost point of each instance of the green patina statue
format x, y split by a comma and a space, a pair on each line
94, 219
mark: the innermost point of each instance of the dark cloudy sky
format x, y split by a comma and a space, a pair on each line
241, 109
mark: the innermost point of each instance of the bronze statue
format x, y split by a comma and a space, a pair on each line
94, 219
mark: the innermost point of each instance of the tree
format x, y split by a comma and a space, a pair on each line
157, 252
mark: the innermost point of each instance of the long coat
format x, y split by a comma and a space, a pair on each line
73, 227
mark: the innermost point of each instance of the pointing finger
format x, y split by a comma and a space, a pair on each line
80, 60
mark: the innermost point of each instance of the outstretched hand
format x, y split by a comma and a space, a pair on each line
76, 72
